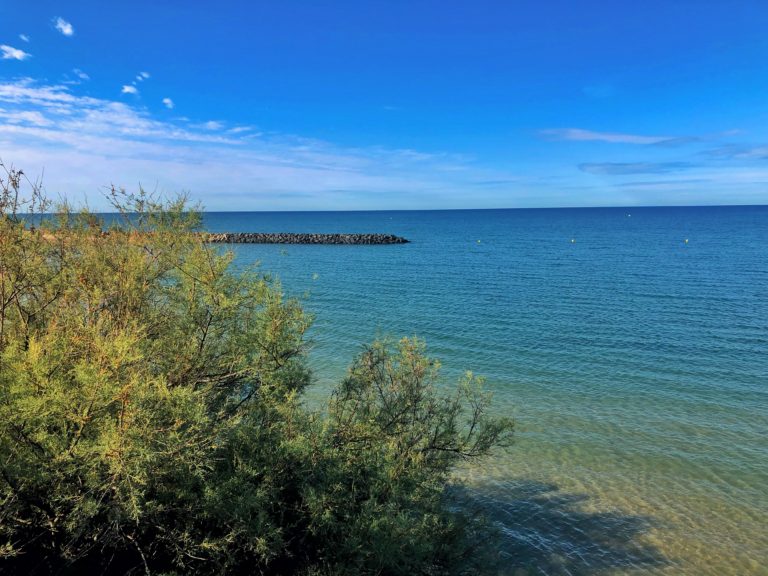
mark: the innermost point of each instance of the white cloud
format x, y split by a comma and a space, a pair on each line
612, 137
83, 143
24, 37
80, 74
144, 75
624, 168
759, 153
11, 53
168, 103
34, 118
26, 92
64, 27
730, 152
128, 89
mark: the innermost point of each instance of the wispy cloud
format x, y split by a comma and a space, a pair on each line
69, 112
11, 53
64, 27
677, 182
141, 76
759, 152
80, 74
579, 134
168, 103
84, 142
623, 168
33, 118
582, 135
682, 141
240, 129
129, 89
24, 37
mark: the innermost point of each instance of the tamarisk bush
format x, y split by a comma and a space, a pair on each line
151, 415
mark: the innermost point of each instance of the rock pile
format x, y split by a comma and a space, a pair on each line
291, 238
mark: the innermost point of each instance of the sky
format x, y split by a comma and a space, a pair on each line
349, 105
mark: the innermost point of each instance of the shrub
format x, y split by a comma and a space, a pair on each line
151, 416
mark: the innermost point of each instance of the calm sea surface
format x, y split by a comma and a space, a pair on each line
635, 364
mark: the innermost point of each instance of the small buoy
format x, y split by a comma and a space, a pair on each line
686, 240
315, 276
478, 241
573, 240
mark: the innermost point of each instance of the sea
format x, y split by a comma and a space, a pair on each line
629, 344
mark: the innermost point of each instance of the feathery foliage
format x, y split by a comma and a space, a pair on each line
151, 417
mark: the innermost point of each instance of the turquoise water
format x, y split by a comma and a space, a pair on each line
635, 364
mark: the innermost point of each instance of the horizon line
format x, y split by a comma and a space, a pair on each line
496, 208
630, 207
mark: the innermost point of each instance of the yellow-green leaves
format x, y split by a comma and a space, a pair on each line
151, 416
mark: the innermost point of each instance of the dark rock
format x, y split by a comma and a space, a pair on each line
292, 238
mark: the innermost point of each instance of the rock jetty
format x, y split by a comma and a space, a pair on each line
291, 238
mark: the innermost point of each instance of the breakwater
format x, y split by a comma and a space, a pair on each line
292, 238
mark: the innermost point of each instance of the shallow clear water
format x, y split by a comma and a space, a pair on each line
635, 364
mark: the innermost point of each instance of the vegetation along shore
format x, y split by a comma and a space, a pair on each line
152, 416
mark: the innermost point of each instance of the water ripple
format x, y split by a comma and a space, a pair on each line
636, 366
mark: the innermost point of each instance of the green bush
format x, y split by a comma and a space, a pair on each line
151, 416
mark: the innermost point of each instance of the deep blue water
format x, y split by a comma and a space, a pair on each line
635, 364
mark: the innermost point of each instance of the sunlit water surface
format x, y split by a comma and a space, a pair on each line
634, 362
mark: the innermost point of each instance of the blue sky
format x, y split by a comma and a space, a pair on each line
386, 105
